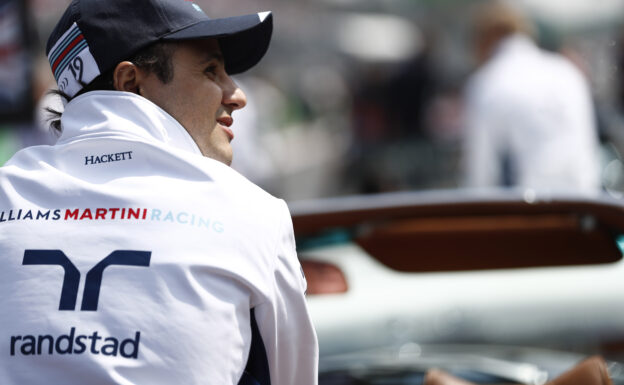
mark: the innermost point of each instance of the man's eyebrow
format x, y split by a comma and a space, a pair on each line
208, 56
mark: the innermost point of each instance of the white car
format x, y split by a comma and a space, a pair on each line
407, 270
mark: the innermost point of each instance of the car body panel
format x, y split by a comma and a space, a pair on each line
573, 306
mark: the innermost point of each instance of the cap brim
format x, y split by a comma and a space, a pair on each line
243, 39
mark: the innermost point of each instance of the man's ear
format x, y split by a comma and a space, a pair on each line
127, 77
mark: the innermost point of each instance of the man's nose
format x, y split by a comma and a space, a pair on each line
233, 96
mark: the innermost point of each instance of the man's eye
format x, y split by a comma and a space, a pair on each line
211, 69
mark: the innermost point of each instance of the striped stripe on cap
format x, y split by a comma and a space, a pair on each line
71, 61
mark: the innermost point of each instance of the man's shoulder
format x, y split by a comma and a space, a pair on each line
562, 66
239, 191
232, 180
151, 166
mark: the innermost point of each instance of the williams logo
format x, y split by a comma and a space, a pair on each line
71, 280
75, 342
115, 214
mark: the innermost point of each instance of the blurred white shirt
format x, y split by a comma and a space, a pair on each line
532, 110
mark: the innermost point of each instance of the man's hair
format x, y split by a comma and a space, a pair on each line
155, 58
502, 18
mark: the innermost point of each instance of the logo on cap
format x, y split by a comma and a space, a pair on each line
197, 7
71, 61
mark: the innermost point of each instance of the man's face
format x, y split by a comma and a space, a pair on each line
201, 96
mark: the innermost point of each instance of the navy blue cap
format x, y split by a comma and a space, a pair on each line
93, 36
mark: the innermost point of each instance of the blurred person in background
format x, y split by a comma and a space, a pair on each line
529, 119
22, 84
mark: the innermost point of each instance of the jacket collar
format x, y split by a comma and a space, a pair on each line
124, 115
515, 42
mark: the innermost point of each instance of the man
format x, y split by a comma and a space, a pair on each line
131, 252
529, 118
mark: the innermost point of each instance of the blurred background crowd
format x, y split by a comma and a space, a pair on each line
365, 96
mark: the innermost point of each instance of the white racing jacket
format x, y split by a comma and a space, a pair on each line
128, 258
